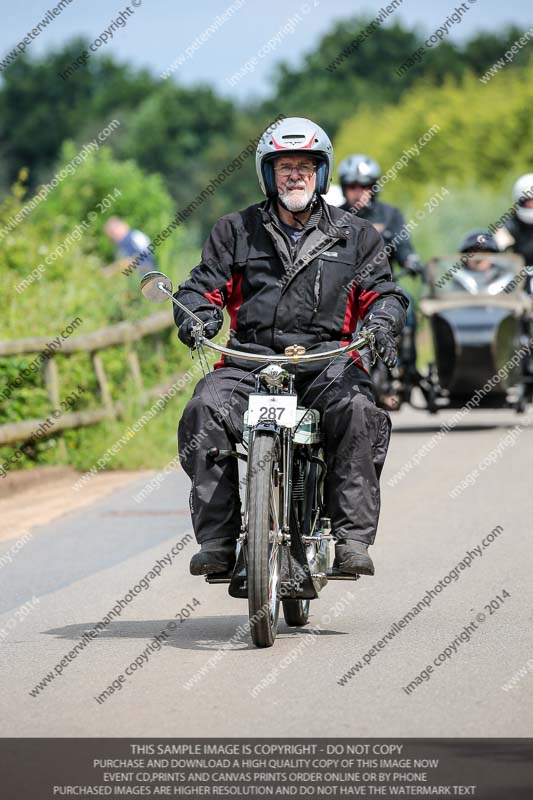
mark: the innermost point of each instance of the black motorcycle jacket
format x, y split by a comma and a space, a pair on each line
522, 234
389, 222
278, 293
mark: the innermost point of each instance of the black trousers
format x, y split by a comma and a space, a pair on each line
356, 434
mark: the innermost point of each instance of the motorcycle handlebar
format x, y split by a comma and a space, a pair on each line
163, 286
364, 339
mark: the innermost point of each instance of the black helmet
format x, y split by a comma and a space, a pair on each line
479, 240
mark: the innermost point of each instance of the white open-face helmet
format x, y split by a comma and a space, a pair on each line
290, 136
522, 191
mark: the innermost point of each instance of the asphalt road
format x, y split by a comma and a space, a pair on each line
66, 578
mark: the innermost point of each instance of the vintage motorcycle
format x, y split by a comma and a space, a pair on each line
285, 550
480, 315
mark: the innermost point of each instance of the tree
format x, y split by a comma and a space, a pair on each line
171, 131
340, 75
39, 110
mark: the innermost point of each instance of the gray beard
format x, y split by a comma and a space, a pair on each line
296, 203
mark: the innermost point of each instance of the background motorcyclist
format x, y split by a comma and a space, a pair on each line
479, 246
291, 270
359, 179
516, 234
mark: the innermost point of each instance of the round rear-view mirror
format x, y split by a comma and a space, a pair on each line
153, 285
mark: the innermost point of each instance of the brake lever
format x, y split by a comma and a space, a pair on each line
371, 344
197, 331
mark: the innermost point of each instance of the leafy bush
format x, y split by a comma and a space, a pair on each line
74, 285
483, 139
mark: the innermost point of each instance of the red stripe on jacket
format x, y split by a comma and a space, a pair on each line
356, 308
234, 302
215, 297
233, 292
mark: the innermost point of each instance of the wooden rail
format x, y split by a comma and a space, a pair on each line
124, 333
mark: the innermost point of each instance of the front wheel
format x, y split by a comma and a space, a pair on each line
264, 534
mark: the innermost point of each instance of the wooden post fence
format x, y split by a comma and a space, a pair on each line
124, 333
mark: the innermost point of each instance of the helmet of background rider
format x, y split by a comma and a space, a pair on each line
361, 169
294, 135
522, 192
479, 240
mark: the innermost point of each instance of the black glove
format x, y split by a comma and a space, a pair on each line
385, 342
212, 319
413, 265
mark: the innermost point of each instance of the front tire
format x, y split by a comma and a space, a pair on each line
264, 547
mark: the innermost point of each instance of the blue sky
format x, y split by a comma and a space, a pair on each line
160, 30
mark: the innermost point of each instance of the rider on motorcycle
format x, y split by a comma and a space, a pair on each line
289, 270
516, 234
478, 247
359, 177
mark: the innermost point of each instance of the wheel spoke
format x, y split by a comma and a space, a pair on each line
274, 504
273, 579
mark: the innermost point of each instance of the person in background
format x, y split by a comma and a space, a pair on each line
479, 247
129, 244
359, 179
516, 235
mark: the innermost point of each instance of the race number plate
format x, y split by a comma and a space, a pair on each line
279, 408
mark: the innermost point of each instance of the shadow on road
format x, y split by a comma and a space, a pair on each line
205, 633
458, 429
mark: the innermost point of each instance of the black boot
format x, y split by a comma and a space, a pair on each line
351, 556
216, 555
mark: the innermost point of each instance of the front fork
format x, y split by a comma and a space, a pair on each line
286, 475
283, 478
284, 472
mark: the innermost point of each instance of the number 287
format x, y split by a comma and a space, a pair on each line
269, 412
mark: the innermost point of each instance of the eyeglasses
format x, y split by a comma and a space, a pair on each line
305, 170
